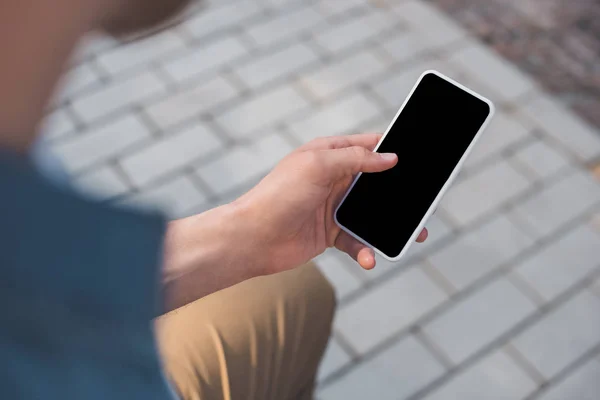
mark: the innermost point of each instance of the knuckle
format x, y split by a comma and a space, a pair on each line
359, 153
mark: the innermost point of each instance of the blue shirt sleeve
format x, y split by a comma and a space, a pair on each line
78, 292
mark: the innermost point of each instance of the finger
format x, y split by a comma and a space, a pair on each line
366, 140
349, 161
355, 249
423, 235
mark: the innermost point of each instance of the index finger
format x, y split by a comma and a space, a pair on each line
366, 140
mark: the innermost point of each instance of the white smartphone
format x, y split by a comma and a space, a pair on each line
433, 133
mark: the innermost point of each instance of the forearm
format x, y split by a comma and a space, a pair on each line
208, 252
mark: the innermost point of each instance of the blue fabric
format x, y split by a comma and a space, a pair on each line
78, 291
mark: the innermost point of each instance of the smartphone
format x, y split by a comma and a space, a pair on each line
432, 134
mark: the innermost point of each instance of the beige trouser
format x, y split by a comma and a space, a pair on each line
261, 339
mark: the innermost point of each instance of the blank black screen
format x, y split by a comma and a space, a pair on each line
429, 136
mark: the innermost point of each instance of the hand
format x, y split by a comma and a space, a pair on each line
291, 209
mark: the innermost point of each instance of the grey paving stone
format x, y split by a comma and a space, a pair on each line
563, 335
335, 357
336, 118
331, 8
79, 78
100, 143
484, 192
504, 131
541, 159
101, 183
276, 65
555, 205
435, 28
355, 31
92, 44
141, 53
479, 319
394, 374
262, 111
117, 95
57, 124
191, 101
479, 252
336, 268
343, 73
562, 263
496, 377
285, 25
172, 198
388, 309
563, 126
171, 152
395, 88
205, 59
496, 73
244, 163
582, 384
221, 17
404, 46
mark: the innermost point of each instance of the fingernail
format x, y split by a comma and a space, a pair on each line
388, 156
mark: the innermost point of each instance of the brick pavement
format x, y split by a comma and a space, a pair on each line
503, 301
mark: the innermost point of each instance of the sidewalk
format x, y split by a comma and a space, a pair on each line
503, 301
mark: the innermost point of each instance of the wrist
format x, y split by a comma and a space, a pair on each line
220, 240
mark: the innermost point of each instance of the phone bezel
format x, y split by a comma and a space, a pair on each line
448, 182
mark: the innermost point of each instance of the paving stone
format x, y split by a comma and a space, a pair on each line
191, 102
393, 306
277, 65
141, 53
504, 131
285, 25
331, 8
102, 183
244, 163
394, 89
100, 143
335, 357
404, 46
541, 159
117, 96
336, 118
57, 124
79, 78
564, 127
262, 111
478, 320
205, 59
435, 28
563, 335
170, 153
495, 377
173, 198
336, 268
395, 374
583, 384
484, 192
559, 203
479, 252
355, 31
343, 73
221, 17
562, 263
496, 73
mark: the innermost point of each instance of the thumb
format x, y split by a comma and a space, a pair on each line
340, 163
